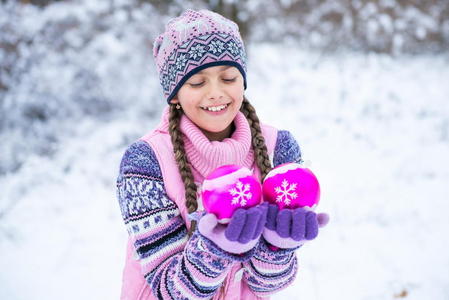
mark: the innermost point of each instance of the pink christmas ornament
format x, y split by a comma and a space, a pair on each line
291, 185
228, 188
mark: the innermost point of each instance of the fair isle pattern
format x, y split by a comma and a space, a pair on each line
141, 194
148, 245
139, 158
140, 224
270, 271
195, 273
198, 53
175, 267
193, 41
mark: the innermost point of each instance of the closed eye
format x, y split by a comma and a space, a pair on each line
196, 84
201, 83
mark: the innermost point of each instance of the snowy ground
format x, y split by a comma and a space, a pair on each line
375, 128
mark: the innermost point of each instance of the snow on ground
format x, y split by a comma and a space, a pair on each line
376, 130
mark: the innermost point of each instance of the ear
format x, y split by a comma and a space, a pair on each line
174, 100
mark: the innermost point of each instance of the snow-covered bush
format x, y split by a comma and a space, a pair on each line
386, 26
67, 62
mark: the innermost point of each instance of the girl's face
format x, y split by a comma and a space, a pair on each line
211, 99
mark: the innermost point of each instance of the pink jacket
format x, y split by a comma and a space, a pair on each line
134, 284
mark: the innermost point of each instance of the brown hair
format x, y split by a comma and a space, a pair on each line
258, 145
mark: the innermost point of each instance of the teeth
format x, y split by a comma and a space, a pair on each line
216, 108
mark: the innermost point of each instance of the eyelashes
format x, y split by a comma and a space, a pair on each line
196, 84
201, 83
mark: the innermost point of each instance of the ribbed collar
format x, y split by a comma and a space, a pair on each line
205, 155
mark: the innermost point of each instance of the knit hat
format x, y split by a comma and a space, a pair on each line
194, 41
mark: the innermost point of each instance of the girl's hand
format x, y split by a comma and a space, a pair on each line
290, 228
241, 234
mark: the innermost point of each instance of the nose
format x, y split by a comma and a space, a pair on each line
215, 90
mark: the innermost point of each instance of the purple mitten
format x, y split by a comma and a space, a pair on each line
290, 228
241, 234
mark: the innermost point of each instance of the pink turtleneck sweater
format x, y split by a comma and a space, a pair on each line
205, 155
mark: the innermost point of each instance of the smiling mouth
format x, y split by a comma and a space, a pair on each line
216, 108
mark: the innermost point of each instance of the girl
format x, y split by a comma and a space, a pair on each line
173, 252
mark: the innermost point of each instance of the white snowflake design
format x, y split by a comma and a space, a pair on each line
197, 51
233, 48
216, 46
241, 193
172, 72
286, 192
181, 61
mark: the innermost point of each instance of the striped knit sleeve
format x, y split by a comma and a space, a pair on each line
174, 266
269, 271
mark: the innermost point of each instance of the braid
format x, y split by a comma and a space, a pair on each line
183, 163
258, 141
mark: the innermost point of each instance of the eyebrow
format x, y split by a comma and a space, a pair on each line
222, 69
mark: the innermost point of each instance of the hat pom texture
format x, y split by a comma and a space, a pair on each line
194, 41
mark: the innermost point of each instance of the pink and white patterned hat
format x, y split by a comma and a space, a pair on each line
194, 41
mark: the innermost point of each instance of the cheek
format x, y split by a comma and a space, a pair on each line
237, 92
188, 99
